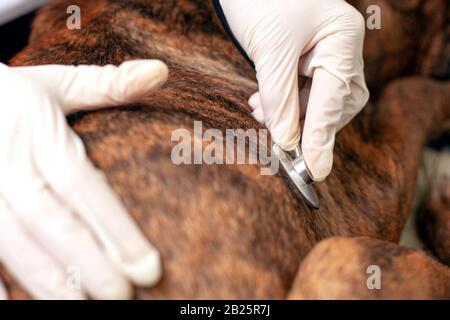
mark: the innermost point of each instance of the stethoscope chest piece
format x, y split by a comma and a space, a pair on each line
295, 168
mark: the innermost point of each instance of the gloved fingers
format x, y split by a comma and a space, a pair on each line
341, 51
86, 190
255, 103
118, 232
115, 228
3, 292
40, 275
277, 74
325, 107
88, 87
70, 243
354, 103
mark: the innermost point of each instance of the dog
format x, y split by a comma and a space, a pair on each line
227, 232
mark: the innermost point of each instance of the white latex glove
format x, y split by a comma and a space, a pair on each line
320, 39
57, 212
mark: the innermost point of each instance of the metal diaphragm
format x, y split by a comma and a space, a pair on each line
294, 167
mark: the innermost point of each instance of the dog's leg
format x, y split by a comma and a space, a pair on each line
365, 268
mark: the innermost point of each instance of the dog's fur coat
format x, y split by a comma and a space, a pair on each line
227, 231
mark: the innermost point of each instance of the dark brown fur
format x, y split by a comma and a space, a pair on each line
227, 231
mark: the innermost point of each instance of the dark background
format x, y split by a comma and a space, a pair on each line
14, 36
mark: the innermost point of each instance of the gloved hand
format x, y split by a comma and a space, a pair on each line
57, 212
320, 39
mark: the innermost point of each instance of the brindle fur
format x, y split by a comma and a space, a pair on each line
227, 231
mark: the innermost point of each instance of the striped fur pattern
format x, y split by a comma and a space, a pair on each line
227, 231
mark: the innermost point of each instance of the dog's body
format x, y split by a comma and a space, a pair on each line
227, 231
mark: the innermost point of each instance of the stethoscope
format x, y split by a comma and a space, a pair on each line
292, 163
